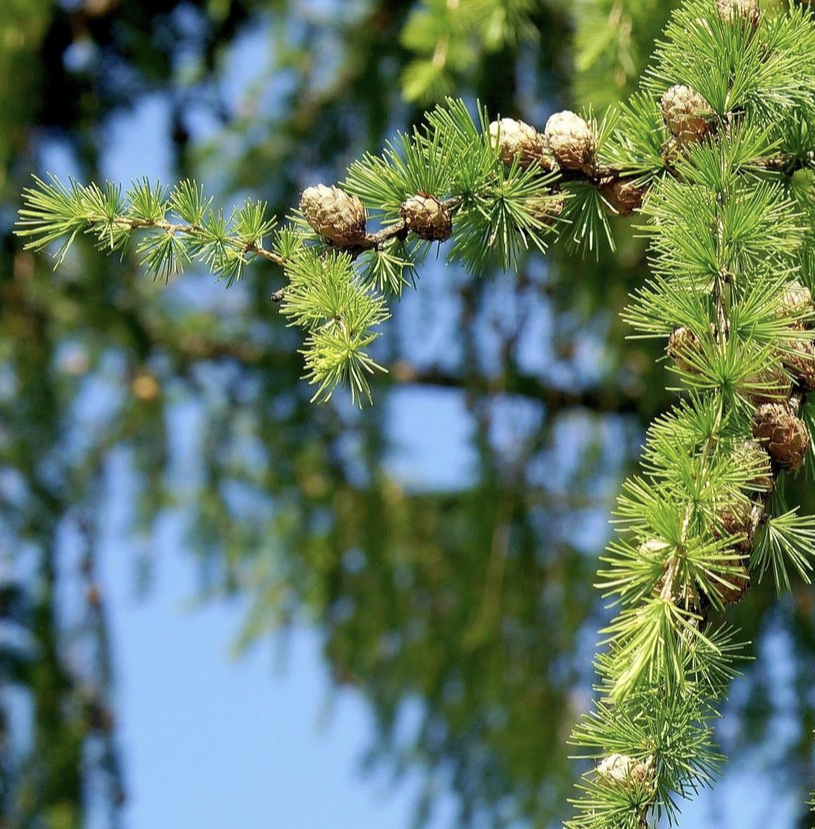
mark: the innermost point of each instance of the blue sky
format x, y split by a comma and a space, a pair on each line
211, 740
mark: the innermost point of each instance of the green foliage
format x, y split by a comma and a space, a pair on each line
447, 39
500, 212
729, 226
786, 540
657, 722
326, 298
497, 224
640, 138
612, 44
735, 71
726, 241
54, 212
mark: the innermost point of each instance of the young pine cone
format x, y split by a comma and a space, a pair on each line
740, 520
800, 363
427, 217
334, 214
571, 141
671, 152
771, 385
782, 434
517, 139
546, 209
733, 585
751, 454
687, 114
796, 300
685, 349
623, 770
734, 10
622, 196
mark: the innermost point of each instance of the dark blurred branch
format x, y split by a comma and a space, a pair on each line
100, 718
188, 349
617, 400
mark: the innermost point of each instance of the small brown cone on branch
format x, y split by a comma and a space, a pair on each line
783, 435
772, 385
622, 196
735, 10
751, 454
796, 300
334, 214
622, 770
799, 360
516, 139
546, 209
571, 141
798, 356
427, 217
685, 348
687, 114
737, 520
734, 584
671, 152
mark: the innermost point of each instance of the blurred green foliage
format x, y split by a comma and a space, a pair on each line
471, 600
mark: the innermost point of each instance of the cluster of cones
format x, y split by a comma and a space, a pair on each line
340, 217
780, 438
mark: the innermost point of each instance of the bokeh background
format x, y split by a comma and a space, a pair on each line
221, 605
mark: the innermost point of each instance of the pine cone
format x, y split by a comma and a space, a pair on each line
736, 583
801, 363
740, 520
622, 196
783, 435
671, 152
546, 209
684, 346
733, 10
777, 386
623, 770
517, 139
796, 299
427, 217
571, 141
687, 114
334, 214
752, 454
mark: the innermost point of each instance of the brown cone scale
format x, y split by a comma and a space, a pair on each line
783, 435
517, 139
622, 196
334, 214
427, 217
735, 10
736, 584
687, 114
571, 141
621, 770
799, 361
751, 453
683, 346
736, 520
796, 299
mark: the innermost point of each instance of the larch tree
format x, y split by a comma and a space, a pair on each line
712, 159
